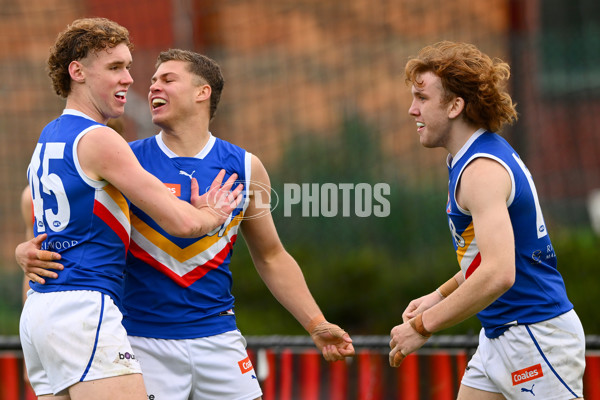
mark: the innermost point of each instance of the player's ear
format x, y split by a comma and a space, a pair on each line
76, 71
455, 107
204, 92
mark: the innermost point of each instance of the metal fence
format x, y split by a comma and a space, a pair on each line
290, 368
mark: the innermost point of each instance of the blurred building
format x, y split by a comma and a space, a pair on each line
301, 68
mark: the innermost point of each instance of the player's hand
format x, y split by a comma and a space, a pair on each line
404, 340
419, 305
37, 263
332, 341
220, 200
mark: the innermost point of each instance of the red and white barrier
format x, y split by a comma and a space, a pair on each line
302, 374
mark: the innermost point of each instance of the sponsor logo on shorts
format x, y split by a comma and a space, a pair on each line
126, 356
245, 365
527, 374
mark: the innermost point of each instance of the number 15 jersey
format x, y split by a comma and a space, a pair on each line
87, 221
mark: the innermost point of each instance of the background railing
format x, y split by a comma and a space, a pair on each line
290, 368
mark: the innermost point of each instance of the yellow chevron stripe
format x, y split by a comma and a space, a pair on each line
174, 250
468, 235
118, 198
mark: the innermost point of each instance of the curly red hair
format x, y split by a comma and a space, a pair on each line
468, 73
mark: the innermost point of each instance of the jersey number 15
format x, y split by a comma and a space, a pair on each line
50, 184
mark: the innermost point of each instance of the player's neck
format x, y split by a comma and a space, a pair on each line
186, 142
85, 107
459, 135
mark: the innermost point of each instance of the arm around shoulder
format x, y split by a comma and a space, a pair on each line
104, 154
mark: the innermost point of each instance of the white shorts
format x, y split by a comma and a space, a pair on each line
73, 336
545, 360
211, 368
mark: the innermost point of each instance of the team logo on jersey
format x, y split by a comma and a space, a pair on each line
536, 256
245, 365
527, 374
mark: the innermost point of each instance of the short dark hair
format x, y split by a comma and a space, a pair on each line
202, 66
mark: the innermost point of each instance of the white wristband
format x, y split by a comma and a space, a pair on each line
440, 293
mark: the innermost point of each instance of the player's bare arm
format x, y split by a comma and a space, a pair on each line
177, 217
27, 212
484, 189
423, 303
283, 276
35, 262
39, 264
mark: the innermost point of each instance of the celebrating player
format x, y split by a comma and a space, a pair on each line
178, 306
82, 176
531, 335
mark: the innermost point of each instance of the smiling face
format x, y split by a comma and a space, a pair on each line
175, 93
432, 114
104, 79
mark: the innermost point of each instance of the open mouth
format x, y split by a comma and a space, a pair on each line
157, 103
120, 95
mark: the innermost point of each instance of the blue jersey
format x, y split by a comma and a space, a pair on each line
539, 292
178, 288
87, 221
